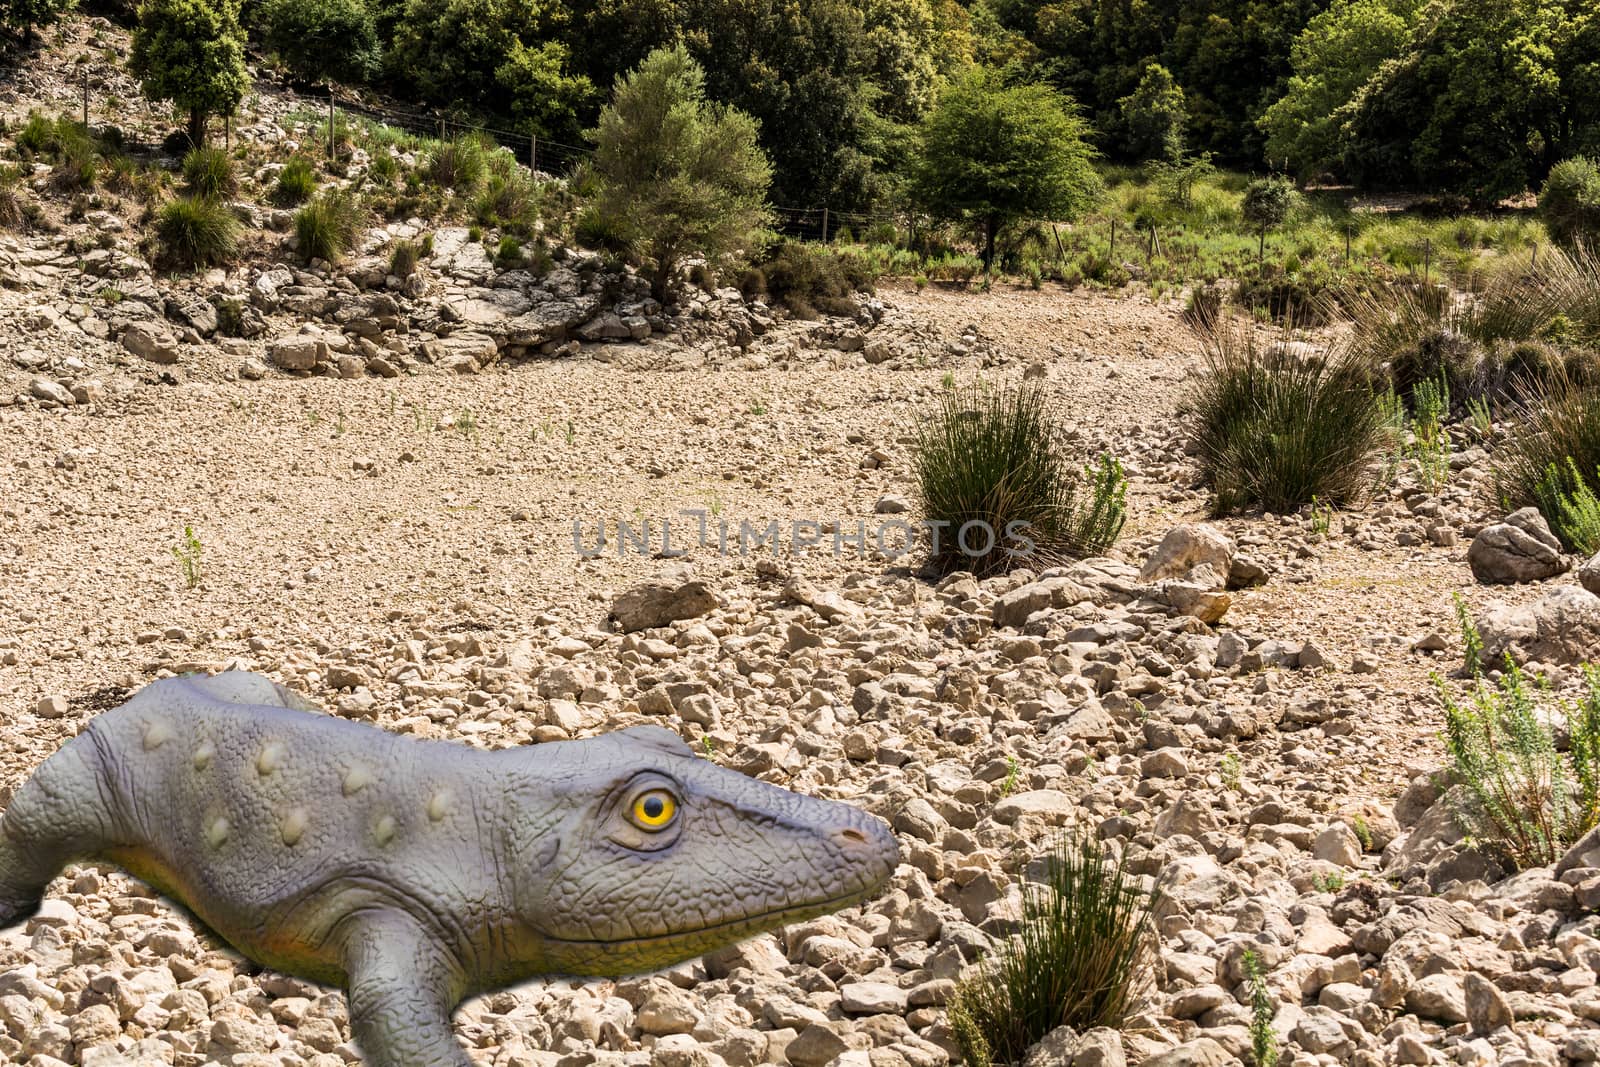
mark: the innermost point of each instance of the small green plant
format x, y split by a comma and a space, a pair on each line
466, 423
572, 433
1480, 417
188, 556
1430, 443
1230, 770
1574, 509
1523, 800
509, 254
1321, 517
992, 466
327, 227
1263, 1009
708, 748
197, 232
297, 182
1080, 958
1472, 641
11, 200
403, 260
1013, 775
1328, 883
1363, 832
457, 165
209, 172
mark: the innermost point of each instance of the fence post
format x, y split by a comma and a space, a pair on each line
86, 93
533, 154
824, 224
1062, 252
333, 148
1112, 254
1347, 245
1427, 257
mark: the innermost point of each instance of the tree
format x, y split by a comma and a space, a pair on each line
1266, 206
678, 174
192, 53
994, 154
1569, 203
323, 39
1333, 57
1153, 116
26, 14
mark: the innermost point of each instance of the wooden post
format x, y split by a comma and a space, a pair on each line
1261, 251
1062, 252
1111, 255
1427, 256
1347, 245
533, 154
1535, 264
333, 149
86, 92
824, 224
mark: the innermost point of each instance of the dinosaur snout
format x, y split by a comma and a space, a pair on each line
867, 843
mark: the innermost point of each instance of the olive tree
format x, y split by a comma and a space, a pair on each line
678, 174
994, 154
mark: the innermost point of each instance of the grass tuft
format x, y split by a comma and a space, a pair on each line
197, 232
458, 164
1278, 428
327, 227
297, 182
993, 467
209, 172
1554, 453
1082, 955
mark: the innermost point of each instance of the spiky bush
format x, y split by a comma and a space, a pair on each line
297, 181
992, 465
1278, 429
327, 227
197, 232
1080, 959
10, 196
1554, 451
1525, 799
1569, 203
210, 172
457, 164
509, 201
407, 253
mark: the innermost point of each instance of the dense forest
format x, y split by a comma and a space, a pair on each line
1475, 98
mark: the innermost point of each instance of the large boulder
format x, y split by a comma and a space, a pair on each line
661, 601
1520, 549
297, 352
1194, 544
1563, 626
1589, 574
150, 342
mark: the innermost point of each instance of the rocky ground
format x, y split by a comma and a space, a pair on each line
383, 477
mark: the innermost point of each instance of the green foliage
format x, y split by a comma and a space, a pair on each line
1525, 799
510, 199
509, 253
1081, 956
322, 39
1569, 203
197, 232
1278, 429
11, 200
679, 175
1430, 443
993, 154
1267, 202
993, 466
327, 227
1263, 1009
1153, 116
191, 52
1574, 508
1552, 460
406, 255
458, 165
209, 172
808, 278
297, 181
28, 15
188, 555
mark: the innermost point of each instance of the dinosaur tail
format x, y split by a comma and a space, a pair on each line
56, 816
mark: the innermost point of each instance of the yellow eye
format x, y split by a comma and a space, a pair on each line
655, 809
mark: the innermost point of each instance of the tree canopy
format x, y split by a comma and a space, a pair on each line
993, 153
191, 52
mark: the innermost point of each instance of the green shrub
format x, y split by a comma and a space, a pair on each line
11, 200
1565, 494
1569, 203
509, 201
1277, 429
1554, 450
509, 254
808, 278
1080, 958
329, 225
405, 257
1268, 202
37, 136
457, 165
197, 232
1525, 800
384, 170
297, 181
994, 467
598, 232
209, 172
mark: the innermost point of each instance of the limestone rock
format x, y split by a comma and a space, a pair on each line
1520, 549
1561, 627
150, 342
661, 601
1186, 547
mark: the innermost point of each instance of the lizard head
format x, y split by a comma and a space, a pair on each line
660, 856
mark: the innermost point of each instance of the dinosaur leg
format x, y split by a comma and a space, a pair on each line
57, 816
402, 989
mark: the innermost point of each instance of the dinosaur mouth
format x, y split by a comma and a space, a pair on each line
717, 933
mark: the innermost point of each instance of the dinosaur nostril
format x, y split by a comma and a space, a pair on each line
854, 837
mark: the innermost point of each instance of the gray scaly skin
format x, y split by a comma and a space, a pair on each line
414, 873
